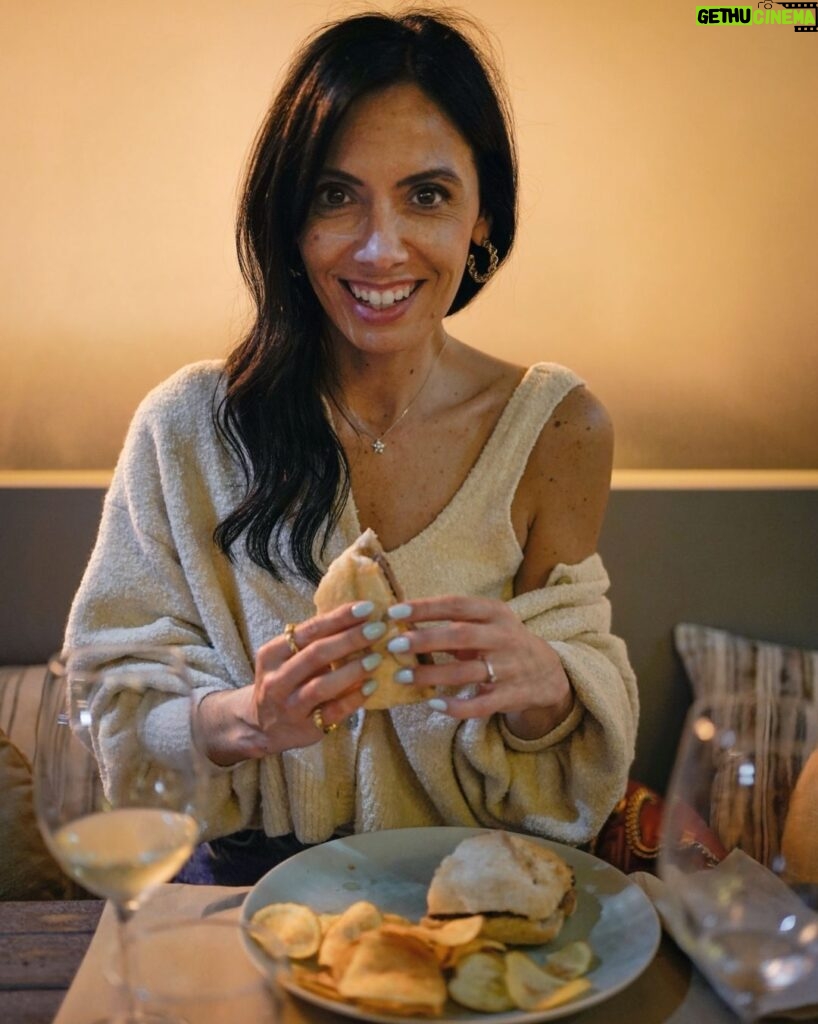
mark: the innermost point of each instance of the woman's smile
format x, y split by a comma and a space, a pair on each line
381, 304
381, 297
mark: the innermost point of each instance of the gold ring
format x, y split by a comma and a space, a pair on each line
318, 719
289, 633
492, 675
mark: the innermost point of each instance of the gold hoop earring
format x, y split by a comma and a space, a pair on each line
494, 260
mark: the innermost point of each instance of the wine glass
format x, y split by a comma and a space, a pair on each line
117, 810
746, 776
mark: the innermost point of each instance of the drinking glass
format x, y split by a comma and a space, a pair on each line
191, 969
747, 770
118, 813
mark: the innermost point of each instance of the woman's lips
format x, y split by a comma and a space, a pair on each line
383, 303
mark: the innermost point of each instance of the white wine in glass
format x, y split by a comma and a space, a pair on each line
747, 772
118, 829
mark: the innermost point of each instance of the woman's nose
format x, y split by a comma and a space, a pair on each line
382, 243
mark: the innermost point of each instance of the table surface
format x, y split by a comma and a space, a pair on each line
43, 944
41, 947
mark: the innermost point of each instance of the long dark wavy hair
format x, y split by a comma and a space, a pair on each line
271, 415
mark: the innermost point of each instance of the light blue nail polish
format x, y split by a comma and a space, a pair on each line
398, 645
371, 661
404, 675
437, 704
369, 687
399, 611
362, 609
372, 630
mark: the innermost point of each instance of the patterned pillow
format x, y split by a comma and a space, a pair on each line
719, 662
722, 663
21, 690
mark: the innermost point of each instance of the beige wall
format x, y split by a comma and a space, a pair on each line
669, 215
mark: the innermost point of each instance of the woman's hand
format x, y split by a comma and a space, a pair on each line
297, 695
506, 667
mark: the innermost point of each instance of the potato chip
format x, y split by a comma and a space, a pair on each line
571, 961
394, 972
411, 931
320, 982
567, 991
452, 955
398, 919
527, 983
345, 929
443, 938
294, 925
479, 983
326, 920
456, 932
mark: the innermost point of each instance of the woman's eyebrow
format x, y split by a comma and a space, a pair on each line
433, 172
333, 172
412, 179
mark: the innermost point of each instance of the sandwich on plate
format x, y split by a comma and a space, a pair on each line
523, 889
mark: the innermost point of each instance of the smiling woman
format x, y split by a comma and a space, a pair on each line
380, 197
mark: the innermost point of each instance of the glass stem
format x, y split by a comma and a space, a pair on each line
128, 1012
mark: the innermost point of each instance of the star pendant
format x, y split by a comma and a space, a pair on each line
378, 447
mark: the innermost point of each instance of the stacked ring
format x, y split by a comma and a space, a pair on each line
492, 675
289, 633
318, 720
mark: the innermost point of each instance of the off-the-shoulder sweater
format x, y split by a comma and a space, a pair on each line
155, 575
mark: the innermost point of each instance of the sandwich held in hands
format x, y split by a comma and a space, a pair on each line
362, 573
522, 889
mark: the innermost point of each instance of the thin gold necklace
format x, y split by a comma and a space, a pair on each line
376, 442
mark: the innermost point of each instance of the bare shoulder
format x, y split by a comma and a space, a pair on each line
579, 429
560, 504
487, 375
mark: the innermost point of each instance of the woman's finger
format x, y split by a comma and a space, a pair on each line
453, 606
451, 638
310, 647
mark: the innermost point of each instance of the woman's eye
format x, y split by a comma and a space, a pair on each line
331, 195
430, 195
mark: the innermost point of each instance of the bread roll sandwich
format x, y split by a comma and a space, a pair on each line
362, 573
523, 889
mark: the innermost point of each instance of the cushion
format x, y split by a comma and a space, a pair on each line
21, 689
718, 662
629, 839
27, 869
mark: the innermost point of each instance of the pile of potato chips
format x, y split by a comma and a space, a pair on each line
387, 964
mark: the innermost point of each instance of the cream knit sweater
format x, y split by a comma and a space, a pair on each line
155, 576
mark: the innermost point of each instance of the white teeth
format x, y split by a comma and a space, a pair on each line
381, 299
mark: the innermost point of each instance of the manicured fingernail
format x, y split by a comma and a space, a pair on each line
369, 687
372, 630
371, 661
398, 645
362, 609
436, 704
404, 675
399, 611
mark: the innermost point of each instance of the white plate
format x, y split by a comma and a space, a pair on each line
393, 869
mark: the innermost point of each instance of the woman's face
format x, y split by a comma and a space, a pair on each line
394, 210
